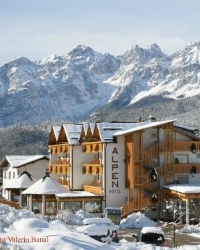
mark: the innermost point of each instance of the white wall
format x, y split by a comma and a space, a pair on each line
115, 173
147, 139
36, 169
181, 137
9, 174
79, 158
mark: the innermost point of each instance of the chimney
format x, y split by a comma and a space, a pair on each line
152, 119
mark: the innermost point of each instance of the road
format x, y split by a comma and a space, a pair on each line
179, 240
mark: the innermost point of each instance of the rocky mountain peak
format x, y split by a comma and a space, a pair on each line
74, 85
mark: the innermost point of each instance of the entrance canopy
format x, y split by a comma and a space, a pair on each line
183, 191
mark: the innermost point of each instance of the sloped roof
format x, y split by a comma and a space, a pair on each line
73, 132
56, 130
77, 194
188, 129
46, 185
16, 161
23, 181
54, 134
143, 125
192, 132
108, 129
193, 188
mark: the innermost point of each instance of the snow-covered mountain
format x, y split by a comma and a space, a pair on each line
72, 86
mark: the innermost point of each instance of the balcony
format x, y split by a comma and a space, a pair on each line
91, 147
95, 187
93, 168
60, 148
183, 168
186, 145
163, 170
62, 166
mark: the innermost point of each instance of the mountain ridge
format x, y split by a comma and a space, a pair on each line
78, 85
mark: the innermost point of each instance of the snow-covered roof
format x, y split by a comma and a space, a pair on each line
23, 181
188, 132
108, 129
46, 185
76, 194
85, 127
73, 132
92, 126
16, 161
56, 130
142, 125
184, 188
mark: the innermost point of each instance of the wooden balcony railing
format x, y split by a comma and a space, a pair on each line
93, 189
59, 148
93, 168
59, 169
142, 204
146, 177
91, 147
136, 205
184, 168
62, 166
185, 145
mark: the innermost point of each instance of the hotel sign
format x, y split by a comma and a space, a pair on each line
115, 180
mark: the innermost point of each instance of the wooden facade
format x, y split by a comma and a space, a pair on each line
140, 162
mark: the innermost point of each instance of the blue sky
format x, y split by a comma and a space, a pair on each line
38, 28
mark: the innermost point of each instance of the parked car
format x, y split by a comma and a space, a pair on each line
151, 235
101, 229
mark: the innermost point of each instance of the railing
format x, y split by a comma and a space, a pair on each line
59, 148
135, 205
93, 189
93, 168
138, 205
59, 169
186, 145
91, 147
10, 203
184, 168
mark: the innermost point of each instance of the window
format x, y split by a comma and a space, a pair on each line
182, 158
93, 207
153, 134
37, 207
9, 175
50, 207
13, 175
183, 179
73, 206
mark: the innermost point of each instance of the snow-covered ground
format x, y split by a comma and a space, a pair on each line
22, 229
